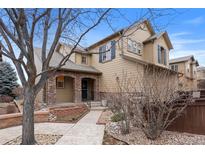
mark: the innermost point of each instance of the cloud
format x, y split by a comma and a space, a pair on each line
180, 40
195, 21
180, 34
188, 41
186, 45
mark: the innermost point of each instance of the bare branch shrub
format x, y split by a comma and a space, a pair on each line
150, 99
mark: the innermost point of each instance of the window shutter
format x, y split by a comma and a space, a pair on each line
176, 68
165, 57
159, 54
100, 54
113, 49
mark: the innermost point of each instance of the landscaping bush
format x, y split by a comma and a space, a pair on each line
6, 99
8, 79
117, 117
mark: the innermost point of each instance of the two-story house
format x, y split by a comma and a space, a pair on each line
201, 78
187, 66
92, 71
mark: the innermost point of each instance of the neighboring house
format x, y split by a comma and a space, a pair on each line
187, 66
201, 78
88, 75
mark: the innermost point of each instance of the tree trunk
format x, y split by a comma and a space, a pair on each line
28, 137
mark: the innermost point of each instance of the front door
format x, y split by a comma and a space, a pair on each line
84, 89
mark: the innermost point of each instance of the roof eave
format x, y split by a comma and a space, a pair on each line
105, 39
80, 71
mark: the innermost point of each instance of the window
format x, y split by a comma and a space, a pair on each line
107, 52
84, 59
162, 55
134, 46
60, 82
174, 68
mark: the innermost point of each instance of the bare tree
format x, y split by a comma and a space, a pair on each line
22, 29
153, 99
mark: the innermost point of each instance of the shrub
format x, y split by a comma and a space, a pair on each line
117, 117
8, 79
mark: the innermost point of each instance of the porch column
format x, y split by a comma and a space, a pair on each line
78, 91
96, 89
51, 90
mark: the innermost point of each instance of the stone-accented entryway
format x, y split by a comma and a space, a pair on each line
76, 77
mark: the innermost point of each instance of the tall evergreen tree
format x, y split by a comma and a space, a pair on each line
8, 79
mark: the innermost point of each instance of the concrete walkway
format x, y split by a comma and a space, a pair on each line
85, 132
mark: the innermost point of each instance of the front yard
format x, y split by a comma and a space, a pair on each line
113, 136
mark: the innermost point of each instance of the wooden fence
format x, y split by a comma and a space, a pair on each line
193, 119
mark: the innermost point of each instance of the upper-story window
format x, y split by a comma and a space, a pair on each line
134, 46
162, 55
107, 52
83, 59
174, 68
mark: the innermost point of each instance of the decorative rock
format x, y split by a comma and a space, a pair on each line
167, 137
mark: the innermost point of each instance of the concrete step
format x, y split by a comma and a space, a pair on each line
100, 108
96, 104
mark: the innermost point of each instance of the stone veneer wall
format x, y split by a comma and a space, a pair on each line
51, 86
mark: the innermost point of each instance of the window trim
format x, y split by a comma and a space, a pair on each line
105, 54
175, 67
63, 83
86, 61
137, 52
162, 56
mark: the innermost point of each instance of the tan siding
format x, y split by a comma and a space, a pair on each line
78, 59
148, 52
188, 82
161, 42
65, 94
112, 69
138, 35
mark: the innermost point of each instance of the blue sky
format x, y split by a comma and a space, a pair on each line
186, 29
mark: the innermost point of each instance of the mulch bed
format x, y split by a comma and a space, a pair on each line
41, 139
104, 117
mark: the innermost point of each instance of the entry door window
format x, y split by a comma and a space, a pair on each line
60, 82
84, 89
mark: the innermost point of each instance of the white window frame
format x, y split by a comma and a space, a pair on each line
60, 81
162, 54
82, 62
134, 46
106, 52
175, 67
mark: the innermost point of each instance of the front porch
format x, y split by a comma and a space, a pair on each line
71, 87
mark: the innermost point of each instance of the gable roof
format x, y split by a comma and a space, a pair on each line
183, 59
201, 68
78, 49
156, 36
71, 66
120, 32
